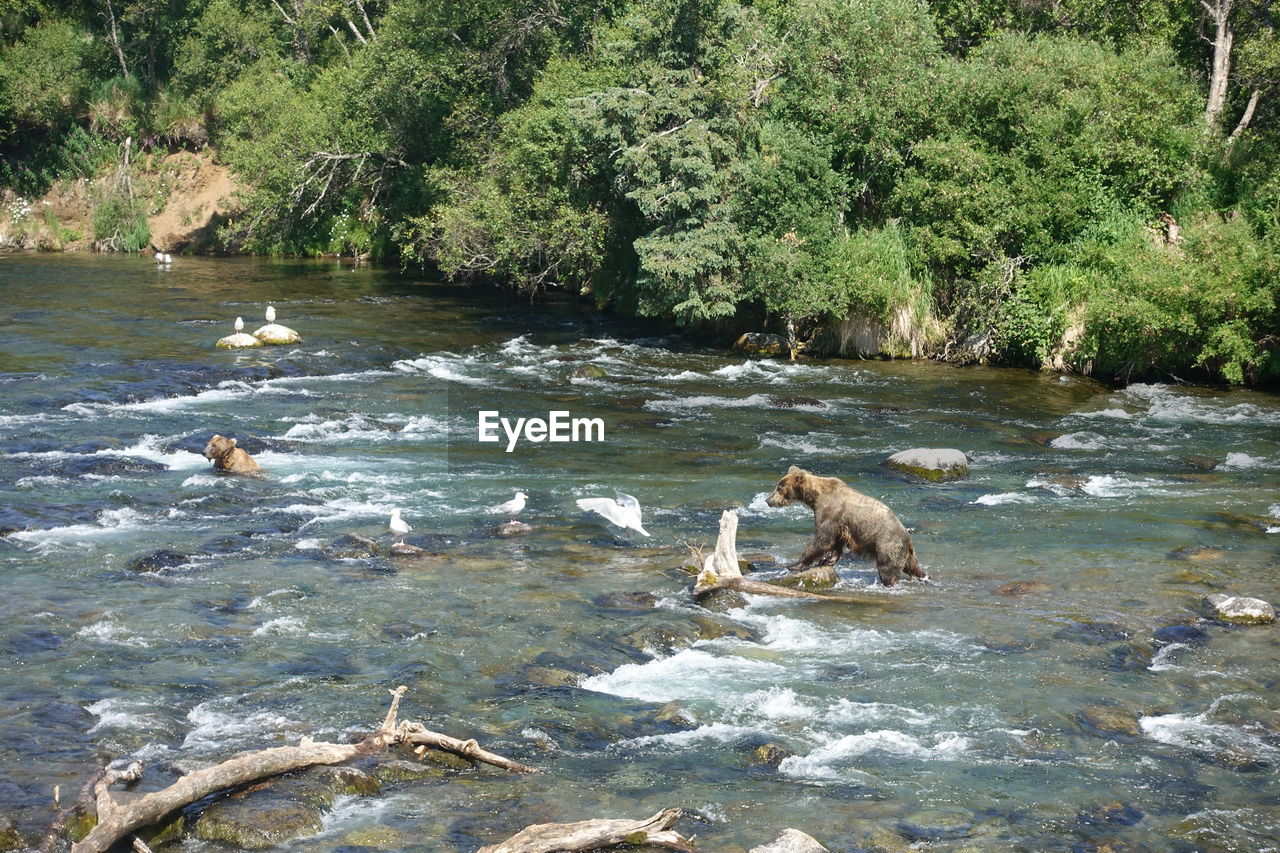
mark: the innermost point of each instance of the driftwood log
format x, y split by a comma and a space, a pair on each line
721, 571
655, 831
117, 820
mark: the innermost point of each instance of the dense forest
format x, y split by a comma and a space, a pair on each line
1089, 184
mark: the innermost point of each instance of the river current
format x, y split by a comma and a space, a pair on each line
1094, 708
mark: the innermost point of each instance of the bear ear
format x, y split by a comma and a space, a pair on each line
795, 469
233, 442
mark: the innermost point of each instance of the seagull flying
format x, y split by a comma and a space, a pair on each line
239, 324
624, 512
512, 507
271, 314
397, 525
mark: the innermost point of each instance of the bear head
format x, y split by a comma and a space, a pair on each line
218, 447
796, 485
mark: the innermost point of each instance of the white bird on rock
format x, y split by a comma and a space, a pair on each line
512, 507
397, 525
239, 324
624, 512
271, 314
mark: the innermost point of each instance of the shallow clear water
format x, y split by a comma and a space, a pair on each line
948, 713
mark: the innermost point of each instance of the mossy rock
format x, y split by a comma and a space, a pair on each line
352, 545
590, 371
1021, 589
550, 676
1239, 610
378, 838
761, 343
447, 760
930, 463
399, 770
723, 600
238, 341
874, 837
257, 820
770, 755
818, 577
275, 334
1109, 719
10, 837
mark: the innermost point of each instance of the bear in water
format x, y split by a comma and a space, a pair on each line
845, 519
227, 457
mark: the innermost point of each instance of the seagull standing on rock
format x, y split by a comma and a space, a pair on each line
271, 314
397, 525
512, 507
624, 512
239, 324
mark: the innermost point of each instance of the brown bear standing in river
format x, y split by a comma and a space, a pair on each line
227, 457
845, 519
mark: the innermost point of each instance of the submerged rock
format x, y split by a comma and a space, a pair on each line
818, 577
875, 836
1196, 554
723, 600
791, 841
257, 820
238, 341
1239, 610
1106, 718
513, 528
10, 837
405, 550
158, 561
761, 343
934, 464
589, 371
352, 545
626, 600
1021, 589
770, 755
274, 333
937, 825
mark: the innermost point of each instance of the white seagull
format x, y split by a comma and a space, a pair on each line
512, 507
239, 324
624, 512
168, 258
271, 314
397, 525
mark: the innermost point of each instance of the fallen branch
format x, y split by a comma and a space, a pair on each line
592, 834
118, 819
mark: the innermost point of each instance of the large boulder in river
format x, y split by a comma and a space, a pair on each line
931, 463
238, 341
1239, 610
791, 841
274, 333
761, 343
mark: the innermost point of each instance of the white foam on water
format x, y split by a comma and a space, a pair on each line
112, 633
776, 703
847, 711
40, 481
1112, 486
217, 724
1117, 414
688, 674
1004, 498
1243, 461
773, 372
757, 506
1165, 403
262, 600
115, 713
446, 366
350, 812
682, 376
709, 401
204, 481
283, 626
351, 428
715, 733
110, 522
834, 760
1081, 441
1197, 732
308, 545
806, 444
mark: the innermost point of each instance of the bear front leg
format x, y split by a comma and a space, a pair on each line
820, 547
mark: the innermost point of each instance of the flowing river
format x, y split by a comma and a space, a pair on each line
1092, 707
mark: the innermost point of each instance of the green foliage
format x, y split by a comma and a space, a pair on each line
118, 109
45, 74
75, 153
120, 223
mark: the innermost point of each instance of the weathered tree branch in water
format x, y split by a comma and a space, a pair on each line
116, 820
592, 834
